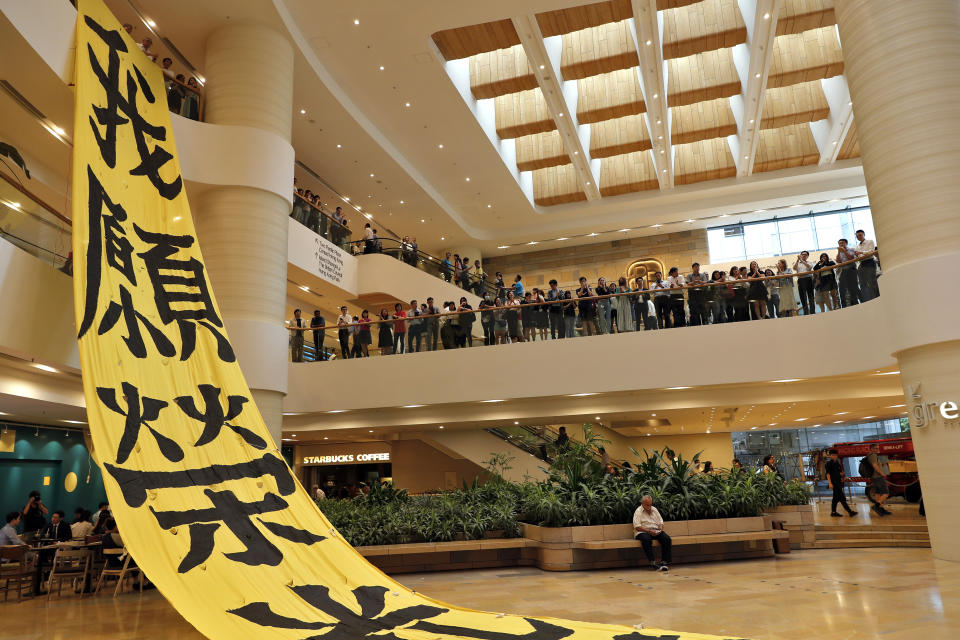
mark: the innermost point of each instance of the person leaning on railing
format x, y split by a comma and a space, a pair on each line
725, 299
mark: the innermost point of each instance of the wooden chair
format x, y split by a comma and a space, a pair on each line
16, 570
129, 569
69, 565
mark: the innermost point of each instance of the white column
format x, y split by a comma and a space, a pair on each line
243, 230
902, 63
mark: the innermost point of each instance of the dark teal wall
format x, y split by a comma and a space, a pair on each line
52, 453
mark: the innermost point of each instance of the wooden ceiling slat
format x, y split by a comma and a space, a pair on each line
464, 42
540, 151
610, 95
701, 77
499, 72
701, 161
784, 106
590, 52
557, 185
522, 114
797, 16
704, 26
702, 121
563, 21
618, 136
851, 144
786, 147
628, 173
802, 57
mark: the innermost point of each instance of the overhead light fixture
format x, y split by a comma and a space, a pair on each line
766, 16
576, 153
676, 388
489, 206
659, 137
756, 75
596, 417
746, 157
339, 146
869, 417
588, 183
325, 438
532, 242
662, 151
772, 424
57, 128
837, 421
649, 42
401, 202
751, 121
561, 239
896, 406
441, 426
542, 67
835, 142
590, 235
422, 220
303, 288
582, 395
44, 367
490, 401
503, 246
74, 421
800, 419
841, 413
654, 415
789, 380
659, 121
381, 67
369, 430
656, 95
649, 434
656, 226
346, 198
664, 170
411, 406
303, 111
560, 114
439, 146
406, 104
337, 411
371, 175
150, 23
442, 238
624, 230
888, 373
850, 103
356, 21
691, 220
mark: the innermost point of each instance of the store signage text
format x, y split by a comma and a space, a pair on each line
923, 413
347, 458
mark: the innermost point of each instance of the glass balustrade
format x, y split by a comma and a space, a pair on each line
654, 306
34, 226
321, 223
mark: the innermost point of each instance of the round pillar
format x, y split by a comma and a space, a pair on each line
242, 230
902, 63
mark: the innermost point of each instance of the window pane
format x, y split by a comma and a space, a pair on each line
723, 247
829, 230
760, 240
864, 220
796, 235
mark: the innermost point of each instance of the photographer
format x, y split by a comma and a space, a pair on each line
34, 513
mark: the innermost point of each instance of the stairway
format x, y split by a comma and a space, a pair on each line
844, 536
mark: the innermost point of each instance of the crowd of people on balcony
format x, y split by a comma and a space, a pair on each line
509, 313
183, 94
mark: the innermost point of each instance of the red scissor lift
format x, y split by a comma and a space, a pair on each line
903, 479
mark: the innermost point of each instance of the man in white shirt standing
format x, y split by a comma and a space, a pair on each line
344, 320
849, 288
867, 271
296, 339
805, 282
648, 525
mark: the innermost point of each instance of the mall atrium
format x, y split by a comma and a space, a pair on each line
704, 254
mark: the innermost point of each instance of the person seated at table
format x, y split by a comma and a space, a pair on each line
8, 534
81, 527
57, 529
112, 540
648, 525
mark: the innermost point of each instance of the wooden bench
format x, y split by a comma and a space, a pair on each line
458, 554
705, 538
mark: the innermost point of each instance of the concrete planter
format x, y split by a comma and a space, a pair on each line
798, 520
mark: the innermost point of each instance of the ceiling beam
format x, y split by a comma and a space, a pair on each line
752, 61
652, 74
543, 56
830, 133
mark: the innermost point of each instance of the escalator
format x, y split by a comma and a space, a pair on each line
539, 441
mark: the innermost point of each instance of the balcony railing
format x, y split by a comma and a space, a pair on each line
34, 226
582, 313
321, 222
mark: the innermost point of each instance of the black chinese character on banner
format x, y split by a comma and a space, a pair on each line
121, 110
214, 418
236, 515
182, 283
107, 236
373, 622
139, 413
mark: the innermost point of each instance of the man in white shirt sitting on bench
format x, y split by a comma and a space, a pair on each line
648, 525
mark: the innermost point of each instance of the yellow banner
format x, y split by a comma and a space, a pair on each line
203, 499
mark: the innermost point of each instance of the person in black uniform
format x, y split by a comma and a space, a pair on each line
834, 469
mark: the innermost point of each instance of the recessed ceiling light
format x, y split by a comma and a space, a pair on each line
542, 67
590, 235
588, 183
468, 179
676, 388
691, 220
356, 21
662, 151
751, 121
302, 288
489, 206
576, 153
401, 202
746, 157
439, 146
74, 421
346, 198
490, 401
150, 23
369, 430
596, 417
868, 417
582, 395
837, 421
659, 121
649, 42
789, 380
888, 373
337, 411
896, 406
368, 216
371, 175
532, 242
441, 426
339, 146
659, 137
841, 413
624, 230
756, 75
850, 103
442, 238
516, 422
656, 95
44, 367
325, 438
560, 239
766, 16
406, 104
58, 129
835, 142
422, 220
560, 114
649, 434
302, 111
381, 67
411, 406
799, 419
772, 424
503, 246
656, 226
664, 170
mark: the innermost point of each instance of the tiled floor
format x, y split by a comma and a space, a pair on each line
897, 594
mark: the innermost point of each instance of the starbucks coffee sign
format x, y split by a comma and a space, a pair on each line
347, 458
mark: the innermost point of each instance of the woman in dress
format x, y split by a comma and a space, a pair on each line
540, 319
526, 317
625, 321
513, 317
785, 287
499, 323
569, 316
603, 306
825, 284
364, 339
757, 292
385, 335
